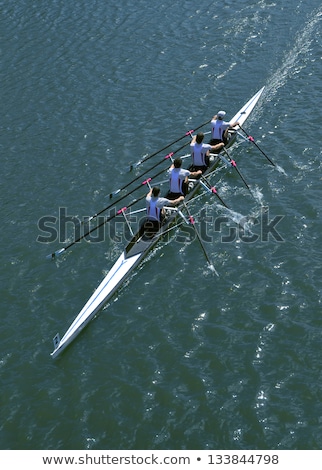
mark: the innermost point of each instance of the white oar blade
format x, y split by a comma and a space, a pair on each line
213, 269
54, 255
114, 193
135, 165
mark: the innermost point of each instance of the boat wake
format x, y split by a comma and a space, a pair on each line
292, 65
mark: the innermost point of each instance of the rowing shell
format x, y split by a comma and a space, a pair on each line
134, 253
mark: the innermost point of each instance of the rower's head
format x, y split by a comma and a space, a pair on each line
200, 137
177, 162
221, 115
155, 191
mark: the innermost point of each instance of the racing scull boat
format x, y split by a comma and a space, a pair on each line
137, 249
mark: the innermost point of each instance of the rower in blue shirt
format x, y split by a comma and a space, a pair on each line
179, 179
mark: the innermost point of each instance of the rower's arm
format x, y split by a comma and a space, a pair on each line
234, 124
217, 147
194, 174
174, 202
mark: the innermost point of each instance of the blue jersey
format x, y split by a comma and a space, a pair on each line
154, 206
177, 177
198, 153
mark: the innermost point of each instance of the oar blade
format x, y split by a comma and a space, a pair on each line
135, 165
114, 193
55, 254
213, 269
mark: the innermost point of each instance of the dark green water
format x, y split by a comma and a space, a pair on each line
180, 359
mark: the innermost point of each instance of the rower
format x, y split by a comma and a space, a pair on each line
179, 179
220, 128
200, 152
155, 208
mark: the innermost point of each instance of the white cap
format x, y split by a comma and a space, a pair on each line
221, 114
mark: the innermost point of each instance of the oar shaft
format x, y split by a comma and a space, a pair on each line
251, 139
108, 219
58, 252
212, 189
233, 164
130, 192
167, 157
191, 219
172, 143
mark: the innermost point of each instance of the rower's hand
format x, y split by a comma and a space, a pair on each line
181, 198
199, 172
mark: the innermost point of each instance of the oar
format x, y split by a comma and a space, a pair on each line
127, 194
192, 222
147, 181
205, 183
120, 199
214, 191
234, 165
169, 156
169, 145
108, 219
251, 139
242, 136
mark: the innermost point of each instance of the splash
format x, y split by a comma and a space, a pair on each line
243, 221
213, 269
280, 170
258, 195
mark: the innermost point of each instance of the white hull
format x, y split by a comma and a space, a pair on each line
245, 111
105, 290
133, 255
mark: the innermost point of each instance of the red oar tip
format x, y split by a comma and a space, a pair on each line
147, 181
121, 210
